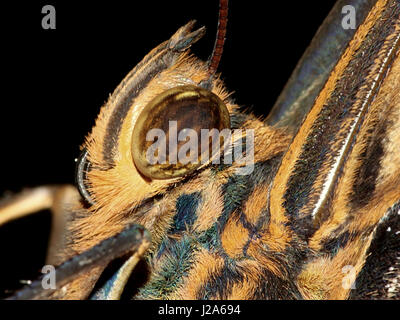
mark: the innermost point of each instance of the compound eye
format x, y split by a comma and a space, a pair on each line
82, 168
178, 131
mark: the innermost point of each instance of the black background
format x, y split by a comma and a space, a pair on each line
55, 81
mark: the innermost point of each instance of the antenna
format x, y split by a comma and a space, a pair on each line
215, 57
220, 39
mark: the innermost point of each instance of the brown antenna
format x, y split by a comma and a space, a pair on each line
220, 40
215, 57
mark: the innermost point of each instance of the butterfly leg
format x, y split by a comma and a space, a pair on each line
58, 199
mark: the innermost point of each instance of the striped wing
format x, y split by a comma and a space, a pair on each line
340, 178
316, 64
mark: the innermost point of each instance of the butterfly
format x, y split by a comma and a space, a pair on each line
313, 214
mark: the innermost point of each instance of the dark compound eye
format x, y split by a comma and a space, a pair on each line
174, 133
82, 167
